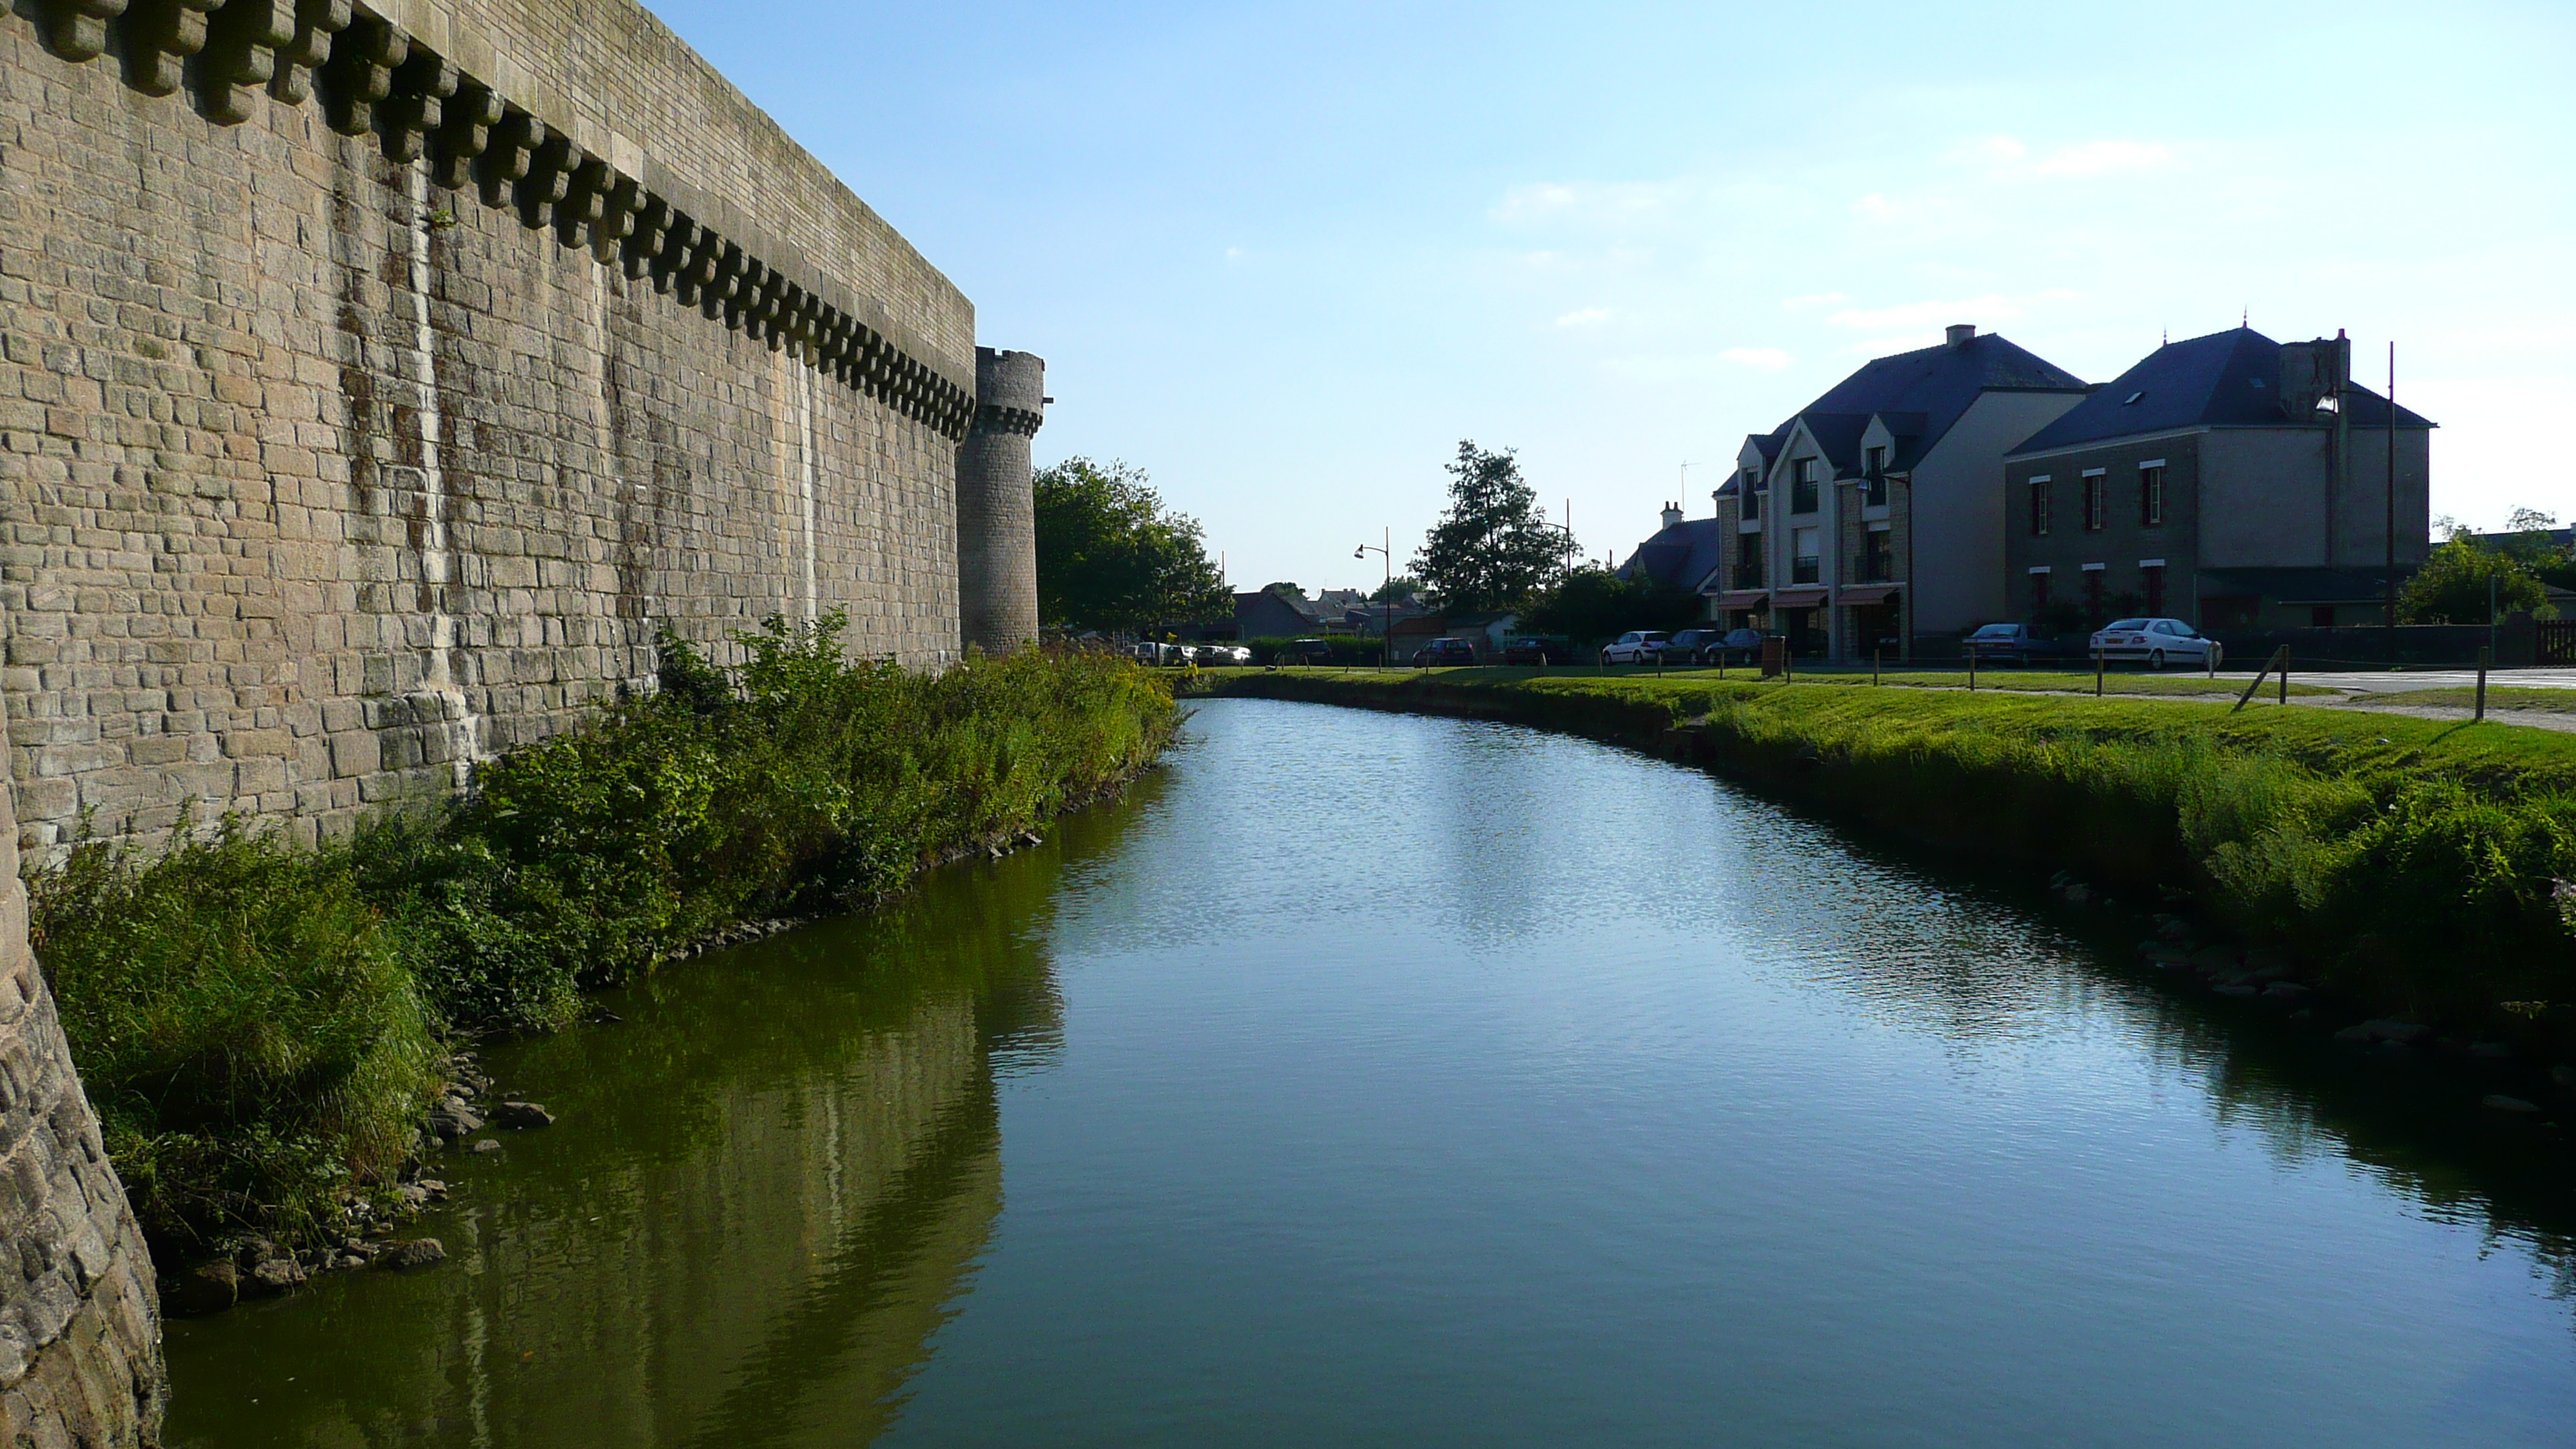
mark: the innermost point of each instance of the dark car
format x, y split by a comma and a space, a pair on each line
1536, 651
1442, 652
1734, 644
1306, 651
1691, 646
2016, 642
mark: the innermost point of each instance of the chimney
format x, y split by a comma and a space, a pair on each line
1672, 515
1960, 332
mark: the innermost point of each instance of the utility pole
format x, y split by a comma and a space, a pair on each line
2391, 581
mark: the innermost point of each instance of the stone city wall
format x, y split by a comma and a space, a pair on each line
375, 381
80, 1328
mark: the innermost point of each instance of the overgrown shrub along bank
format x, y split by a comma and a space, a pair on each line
263, 1027
2416, 866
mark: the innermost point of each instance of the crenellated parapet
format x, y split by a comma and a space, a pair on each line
454, 110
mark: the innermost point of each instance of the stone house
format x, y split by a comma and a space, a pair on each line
1874, 517
2231, 481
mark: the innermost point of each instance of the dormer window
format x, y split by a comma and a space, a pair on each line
1802, 486
1873, 480
2132, 400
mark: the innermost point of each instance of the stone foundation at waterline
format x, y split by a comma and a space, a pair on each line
80, 1329
377, 380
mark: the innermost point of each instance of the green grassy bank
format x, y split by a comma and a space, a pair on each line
262, 1027
2415, 866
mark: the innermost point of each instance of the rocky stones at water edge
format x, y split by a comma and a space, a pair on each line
205, 1288
522, 1116
417, 1253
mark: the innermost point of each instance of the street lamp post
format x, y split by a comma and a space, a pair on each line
1386, 595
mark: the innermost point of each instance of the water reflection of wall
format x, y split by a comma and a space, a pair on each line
767, 1188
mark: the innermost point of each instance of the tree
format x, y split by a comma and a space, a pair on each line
1402, 589
1592, 603
1492, 550
2453, 586
1111, 557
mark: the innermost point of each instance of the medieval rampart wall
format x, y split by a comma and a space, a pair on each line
375, 381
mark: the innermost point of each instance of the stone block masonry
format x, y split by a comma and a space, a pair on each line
376, 379
80, 1327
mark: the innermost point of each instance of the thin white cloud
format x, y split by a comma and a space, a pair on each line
1886, 346
2009, 159
1814, 299
1584, 317
1590, 204
1769, 358
2103, 158
1982, 310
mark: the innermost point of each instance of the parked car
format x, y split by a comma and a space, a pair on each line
1686, 646
1445, 652
2157, 641
1214, 656
1306, 651
2016, 642
1536, 651
1637, 646
1745, 644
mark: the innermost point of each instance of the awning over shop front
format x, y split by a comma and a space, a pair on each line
1743, 599
1869, 593
1798, 598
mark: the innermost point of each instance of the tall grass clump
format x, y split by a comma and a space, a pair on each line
263, 1025
244, 1023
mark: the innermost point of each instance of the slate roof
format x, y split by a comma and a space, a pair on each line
2227, 379
1921, 394
1679, 556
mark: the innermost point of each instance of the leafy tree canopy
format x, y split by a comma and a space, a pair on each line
1591, 603
1402, 589
2456, 583
1112, 557
1493, 549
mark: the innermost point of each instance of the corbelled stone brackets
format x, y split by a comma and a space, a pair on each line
375, 80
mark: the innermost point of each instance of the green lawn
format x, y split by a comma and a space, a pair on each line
2009, 680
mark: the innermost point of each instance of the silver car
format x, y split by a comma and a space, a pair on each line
1637, 646
2157, 641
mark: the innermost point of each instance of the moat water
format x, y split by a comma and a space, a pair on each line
1368, 1079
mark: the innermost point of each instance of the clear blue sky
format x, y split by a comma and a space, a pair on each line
1284, 258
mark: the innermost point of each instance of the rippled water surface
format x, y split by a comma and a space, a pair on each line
1370, 1079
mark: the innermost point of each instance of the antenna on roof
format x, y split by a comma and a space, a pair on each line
2245, 318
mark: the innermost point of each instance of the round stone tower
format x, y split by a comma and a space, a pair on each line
997, 537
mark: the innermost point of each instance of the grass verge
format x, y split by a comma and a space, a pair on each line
262, 1027
2023, 681
2417, 865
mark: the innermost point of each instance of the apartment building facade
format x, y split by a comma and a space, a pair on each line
2231, 481
1874, 517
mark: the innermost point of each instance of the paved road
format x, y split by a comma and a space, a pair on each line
2384, 681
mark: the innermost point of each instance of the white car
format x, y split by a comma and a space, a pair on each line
1637, 646
2157, 641
1220, 655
